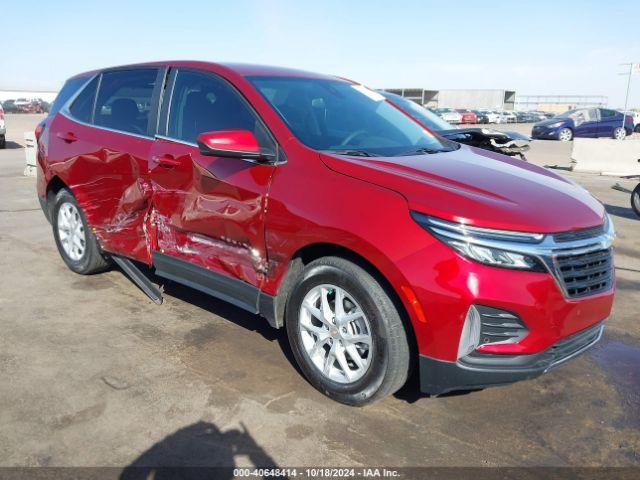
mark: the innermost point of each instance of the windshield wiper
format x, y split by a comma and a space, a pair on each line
353, 153
422, 151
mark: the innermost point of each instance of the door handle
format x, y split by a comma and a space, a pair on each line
167, 161
68, 137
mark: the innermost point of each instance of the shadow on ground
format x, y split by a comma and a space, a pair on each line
623, 212
10, 145
198, 451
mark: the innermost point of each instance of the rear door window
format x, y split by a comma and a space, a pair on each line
607, 114
82, 106
125, 100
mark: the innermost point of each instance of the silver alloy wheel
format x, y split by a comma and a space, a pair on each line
71, 231
565, 135
335, 333
620, 133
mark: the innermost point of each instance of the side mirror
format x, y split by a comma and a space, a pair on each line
233, 143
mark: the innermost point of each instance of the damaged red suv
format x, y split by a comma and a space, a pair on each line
315, 203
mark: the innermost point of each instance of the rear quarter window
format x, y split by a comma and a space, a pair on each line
69, 88
82, 106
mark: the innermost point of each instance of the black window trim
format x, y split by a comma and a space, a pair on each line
165, 111
153, 112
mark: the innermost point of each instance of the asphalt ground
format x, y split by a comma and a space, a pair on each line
92, 373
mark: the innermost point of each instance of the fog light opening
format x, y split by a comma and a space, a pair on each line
470, 336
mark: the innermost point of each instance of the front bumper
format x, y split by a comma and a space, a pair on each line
477, 371
545, 133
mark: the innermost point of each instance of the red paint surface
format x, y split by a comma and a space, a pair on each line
248, 220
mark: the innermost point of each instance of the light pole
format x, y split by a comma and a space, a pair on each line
626, 98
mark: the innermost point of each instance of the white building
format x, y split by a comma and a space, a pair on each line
492, 99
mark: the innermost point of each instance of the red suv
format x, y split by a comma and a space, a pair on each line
315, 203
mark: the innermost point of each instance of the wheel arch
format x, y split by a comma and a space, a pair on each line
308, 253
54, 185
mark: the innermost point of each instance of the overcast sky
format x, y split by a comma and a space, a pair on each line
534, 47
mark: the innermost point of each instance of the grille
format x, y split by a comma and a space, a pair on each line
587, 273
579, 234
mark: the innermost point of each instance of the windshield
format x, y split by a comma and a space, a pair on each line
335, 115
566, 114
424, 116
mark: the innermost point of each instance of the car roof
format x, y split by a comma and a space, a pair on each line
242, 69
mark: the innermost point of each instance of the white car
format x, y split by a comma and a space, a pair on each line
636, 121
3, 129
493, 117
507, 117
449, 115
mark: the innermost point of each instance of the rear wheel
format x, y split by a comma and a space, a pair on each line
77, 245
565, 135
635, 199
3, 141
620, 133
346, 333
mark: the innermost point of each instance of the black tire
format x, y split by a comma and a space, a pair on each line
635, 199
637, 129
390, 361
3, 141
92, 259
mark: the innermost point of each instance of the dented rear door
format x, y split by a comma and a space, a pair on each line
100, 149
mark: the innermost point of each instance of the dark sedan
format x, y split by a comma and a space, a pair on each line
584, 122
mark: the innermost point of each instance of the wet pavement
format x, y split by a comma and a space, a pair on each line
92, 373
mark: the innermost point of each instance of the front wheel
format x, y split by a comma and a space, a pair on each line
565, 135
346, 333
620, 133
635, 199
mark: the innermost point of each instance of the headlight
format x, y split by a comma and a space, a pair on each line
479, 243
555, 125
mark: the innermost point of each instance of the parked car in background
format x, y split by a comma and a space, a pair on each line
507, 117
468, 117
3, 129
481, 116
22, 105
636, 120
508, 143
496, 271
526, 117
538, 116
584, 122
492, 117
9, 106
449, 115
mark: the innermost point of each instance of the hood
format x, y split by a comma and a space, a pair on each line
550, 121
481, 188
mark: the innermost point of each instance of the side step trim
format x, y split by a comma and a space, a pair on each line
139, 278
236, 292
